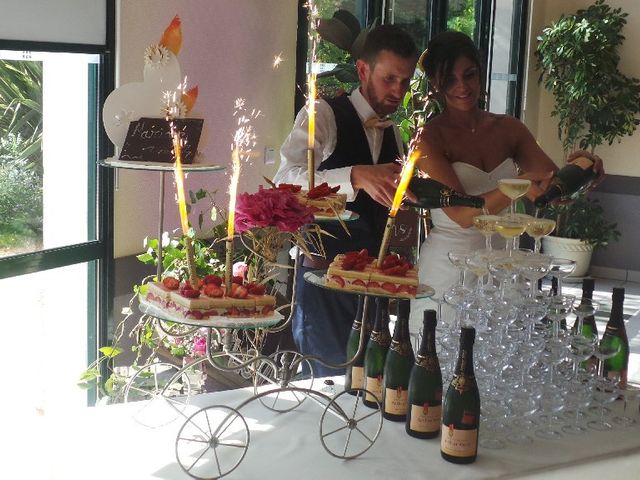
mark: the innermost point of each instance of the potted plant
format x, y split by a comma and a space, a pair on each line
581, 226
594, 103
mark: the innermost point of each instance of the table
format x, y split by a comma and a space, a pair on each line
105, 442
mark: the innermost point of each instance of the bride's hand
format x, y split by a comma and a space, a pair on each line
598, 166
539, 183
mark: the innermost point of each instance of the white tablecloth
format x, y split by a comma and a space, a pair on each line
106, 442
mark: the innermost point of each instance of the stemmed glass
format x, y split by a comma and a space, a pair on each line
513, 188
487, 226
559, 307
562, 268
586, 308
578, 397
627, 392
604, 392
533, 267
509, 227
538, 228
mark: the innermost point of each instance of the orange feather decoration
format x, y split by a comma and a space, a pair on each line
172, 36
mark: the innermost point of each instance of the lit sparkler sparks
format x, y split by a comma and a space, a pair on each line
311, 85
172, 110
408, 167
277, 60
244, 139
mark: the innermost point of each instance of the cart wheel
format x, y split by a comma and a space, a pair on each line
347, 427
212, 442
266, 379
166, 390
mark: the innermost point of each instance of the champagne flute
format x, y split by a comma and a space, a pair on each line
509, 227
487, 226
514, 188
538, 228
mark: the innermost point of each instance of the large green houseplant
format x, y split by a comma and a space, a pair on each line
594, 103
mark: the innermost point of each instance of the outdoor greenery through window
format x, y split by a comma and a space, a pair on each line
45, 100
21, 169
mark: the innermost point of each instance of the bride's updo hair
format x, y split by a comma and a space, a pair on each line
442, 52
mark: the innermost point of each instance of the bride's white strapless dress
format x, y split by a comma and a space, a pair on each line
434, 267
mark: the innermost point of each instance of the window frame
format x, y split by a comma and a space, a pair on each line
97, 253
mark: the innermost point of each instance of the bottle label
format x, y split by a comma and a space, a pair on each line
396, 401
425, 418
429, 363
375, 386
403, 348
357, 377
458, 443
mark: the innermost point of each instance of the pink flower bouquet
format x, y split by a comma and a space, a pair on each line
271, 208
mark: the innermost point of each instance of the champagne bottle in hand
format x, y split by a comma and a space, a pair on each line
376, 354
432, 194
569, 181
461, 407
425, 385
397, 367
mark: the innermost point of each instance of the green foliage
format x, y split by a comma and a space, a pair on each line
583, 219
20, 196
463, 18
21, 109
578, 56
417, 107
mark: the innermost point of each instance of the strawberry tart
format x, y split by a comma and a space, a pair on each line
210, 299
357, 271
323, 200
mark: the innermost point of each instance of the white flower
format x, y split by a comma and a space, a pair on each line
156, 56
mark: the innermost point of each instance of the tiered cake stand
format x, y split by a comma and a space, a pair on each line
213, 441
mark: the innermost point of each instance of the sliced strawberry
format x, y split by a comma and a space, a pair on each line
403, 289
338, 280
212, 290
373, 284
389, 287
255, 288
361, 265
213, 279
189, 292
359, 282
171, 283
232, 312
238, 280
266, 310
335, 189
238, 291
197, 314
395, 270
348, 264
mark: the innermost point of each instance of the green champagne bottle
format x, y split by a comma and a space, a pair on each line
432, 194
589, 327
397, 367
376, 354
461, 407
425, 385
354, 375
615, 334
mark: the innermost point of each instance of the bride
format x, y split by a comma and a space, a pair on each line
469, 149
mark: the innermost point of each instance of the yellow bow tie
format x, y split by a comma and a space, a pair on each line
377, 122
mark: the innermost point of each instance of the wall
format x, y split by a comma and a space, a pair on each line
620, 191
228, 51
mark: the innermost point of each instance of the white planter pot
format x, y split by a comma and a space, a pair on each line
571, 249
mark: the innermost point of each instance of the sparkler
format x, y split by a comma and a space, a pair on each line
172, 110
405, 178
311, 85
243, 140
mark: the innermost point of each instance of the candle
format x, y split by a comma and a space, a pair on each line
233, 190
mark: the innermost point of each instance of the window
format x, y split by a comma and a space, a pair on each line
55, 201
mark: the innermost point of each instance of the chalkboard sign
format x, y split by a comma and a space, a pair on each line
149, 140
405, 229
